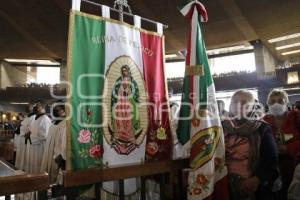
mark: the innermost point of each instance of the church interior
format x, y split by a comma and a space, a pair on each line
95, 96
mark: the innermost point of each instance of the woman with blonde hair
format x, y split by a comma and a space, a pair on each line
286, 131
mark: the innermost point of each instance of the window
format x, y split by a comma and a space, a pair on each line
243, 63
175, 69
48, 75
292, 77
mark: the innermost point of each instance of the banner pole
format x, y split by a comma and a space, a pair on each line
124, 13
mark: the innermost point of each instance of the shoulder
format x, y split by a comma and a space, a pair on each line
227, 123
62, 124
265, 129
264, 124
293, 113
46, 118
32, 117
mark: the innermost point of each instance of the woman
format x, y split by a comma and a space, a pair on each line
286, 131
251, 156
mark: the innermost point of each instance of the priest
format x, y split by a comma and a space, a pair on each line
54, 143
60, 144
36, 139
21, 146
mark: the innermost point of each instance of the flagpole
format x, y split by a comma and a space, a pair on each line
125, 13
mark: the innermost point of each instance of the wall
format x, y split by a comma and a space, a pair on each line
12, 76
264, 60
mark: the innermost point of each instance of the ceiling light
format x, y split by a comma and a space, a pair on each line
288, 46
290, 52
32, 61
229, 49
286, 37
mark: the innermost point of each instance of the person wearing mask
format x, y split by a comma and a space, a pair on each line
36, 139
286, 131
250, 151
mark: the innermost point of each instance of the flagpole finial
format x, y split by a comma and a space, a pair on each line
121, 4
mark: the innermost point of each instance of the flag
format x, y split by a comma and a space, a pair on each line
117, 97
199, 124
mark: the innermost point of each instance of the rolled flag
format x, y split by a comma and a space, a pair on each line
199, 124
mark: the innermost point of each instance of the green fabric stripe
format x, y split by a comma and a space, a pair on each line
87, 58
201, 59
184, 126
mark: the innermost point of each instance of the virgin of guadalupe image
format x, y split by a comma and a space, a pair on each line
125, 121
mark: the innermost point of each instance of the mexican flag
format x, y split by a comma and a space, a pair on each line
117, 95
199, 124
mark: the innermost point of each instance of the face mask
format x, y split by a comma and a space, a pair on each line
277, 109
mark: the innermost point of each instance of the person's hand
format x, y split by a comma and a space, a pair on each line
282, 149
60, 162
249, 186
27, 135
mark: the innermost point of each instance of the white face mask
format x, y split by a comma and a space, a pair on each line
277, 109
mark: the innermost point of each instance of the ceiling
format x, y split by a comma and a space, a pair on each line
38, 28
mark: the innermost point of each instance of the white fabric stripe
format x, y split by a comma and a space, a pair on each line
122, 41
137, 21
185, 10
76, 5
193, 37
105, 11
159, 27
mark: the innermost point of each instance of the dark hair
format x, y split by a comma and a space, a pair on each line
60, 104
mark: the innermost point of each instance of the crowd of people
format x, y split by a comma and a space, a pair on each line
262, 151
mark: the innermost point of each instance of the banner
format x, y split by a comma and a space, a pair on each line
199, 125
118, 97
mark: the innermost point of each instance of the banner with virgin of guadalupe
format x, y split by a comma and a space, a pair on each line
118, 97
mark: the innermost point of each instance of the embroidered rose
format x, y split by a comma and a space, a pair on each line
96, 151
197, 191
161, 134
195, 122
84, 136
201, 179
152, 148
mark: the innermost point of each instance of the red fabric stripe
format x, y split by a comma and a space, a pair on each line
188, 62
220, 190
201, 9
155, 84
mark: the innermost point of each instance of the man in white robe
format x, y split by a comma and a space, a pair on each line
20, 144
60, 147
54, 143
37, 138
